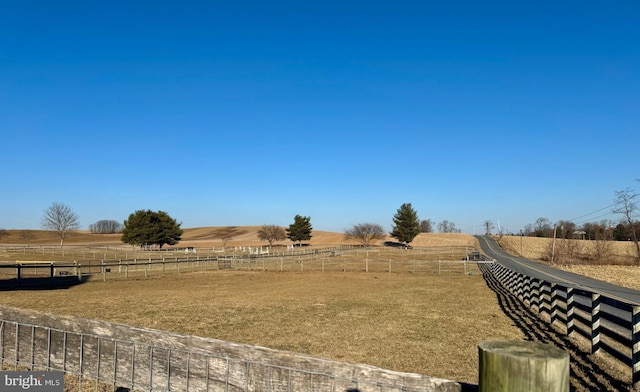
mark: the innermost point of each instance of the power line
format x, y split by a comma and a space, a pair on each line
593, 212
592, 219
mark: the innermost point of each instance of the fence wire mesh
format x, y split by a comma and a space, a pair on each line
98, 363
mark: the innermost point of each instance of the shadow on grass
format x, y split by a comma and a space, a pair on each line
49, 283
399, 245
586, 375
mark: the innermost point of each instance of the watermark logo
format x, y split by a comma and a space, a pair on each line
32, 381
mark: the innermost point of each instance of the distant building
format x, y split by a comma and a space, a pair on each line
579, 234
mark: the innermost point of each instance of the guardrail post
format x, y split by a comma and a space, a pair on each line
595, 322
519, 287
544, 305
569, 311
536, 295
635, 346
554, 303
527, 291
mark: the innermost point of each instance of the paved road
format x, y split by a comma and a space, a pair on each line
539, 271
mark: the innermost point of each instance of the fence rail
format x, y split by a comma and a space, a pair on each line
139, 359
611, 325
345, 259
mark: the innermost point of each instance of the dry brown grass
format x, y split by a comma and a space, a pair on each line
583, 251
618, 268
414, 322
213, 236
423, 323
621, 275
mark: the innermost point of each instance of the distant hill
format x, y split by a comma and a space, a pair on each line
212, 236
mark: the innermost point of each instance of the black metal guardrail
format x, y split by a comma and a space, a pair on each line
611, 325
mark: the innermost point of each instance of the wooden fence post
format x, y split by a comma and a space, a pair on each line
508, 366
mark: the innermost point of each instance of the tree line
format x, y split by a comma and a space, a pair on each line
146, 228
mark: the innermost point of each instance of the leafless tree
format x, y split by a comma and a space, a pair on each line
564, 252
272, 233
225, 240
602, 248
426, 226
61, 219
106, 226
364, 233
488, 226
543, 228
565, 229
626, 205
447, 227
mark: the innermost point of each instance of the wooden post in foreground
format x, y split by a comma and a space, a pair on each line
507, 366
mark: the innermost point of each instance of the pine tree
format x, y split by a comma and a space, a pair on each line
406, 225
148, 227
300, 229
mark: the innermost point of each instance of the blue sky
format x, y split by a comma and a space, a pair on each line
250, 112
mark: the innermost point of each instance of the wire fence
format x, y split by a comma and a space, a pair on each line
101, 356
340, 258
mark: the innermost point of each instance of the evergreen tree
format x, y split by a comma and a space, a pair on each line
406, 225
148, 227
300, 229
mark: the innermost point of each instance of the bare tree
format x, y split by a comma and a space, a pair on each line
543, 228
105, 226
626, 204
61, 219
426, 226
364, 233
272, 233
488, 226
225, 240
602, 245
447, 227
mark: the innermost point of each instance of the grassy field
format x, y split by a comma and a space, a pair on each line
229, 236
423, 323
407, 321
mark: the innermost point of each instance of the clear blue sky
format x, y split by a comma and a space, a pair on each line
248, 113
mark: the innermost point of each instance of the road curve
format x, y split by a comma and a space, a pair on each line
540, 271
